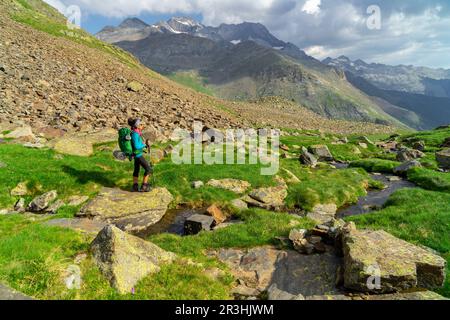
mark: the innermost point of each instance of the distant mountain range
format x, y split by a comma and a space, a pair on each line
423, 91
246, 62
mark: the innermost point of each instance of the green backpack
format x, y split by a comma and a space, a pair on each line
125, 142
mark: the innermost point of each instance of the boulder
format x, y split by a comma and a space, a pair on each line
268, 198
20, 206
132, 212
321, 152
54, 207
197, 184
39, 204
406, 166
323, 213
124, 259
20, 190
24, 133
409, 155
198, 223
217, 214
233, 185
443, 159
419, 145
75, 146
239, 204
399, 265
308, 158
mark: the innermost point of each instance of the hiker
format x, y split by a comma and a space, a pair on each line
139, 147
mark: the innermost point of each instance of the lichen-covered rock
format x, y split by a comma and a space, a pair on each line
275, 294
24, 133
308, 158
134, 86
411, 296
409, 155
39, 204
128, 211
321, 152
20, 190
398, 264
443, 158
125, 259
268, 198
233, 185
323, 213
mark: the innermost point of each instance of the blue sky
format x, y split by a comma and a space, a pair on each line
415, 32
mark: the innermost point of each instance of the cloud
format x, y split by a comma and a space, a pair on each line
312, 6
412, 32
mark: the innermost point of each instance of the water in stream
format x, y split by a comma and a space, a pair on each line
375, 199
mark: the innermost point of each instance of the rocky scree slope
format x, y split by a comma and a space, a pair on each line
68, 80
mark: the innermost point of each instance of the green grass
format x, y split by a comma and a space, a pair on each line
430, 180
260, 228
375, 165
433, 138
191, 79
418, 216
69, 176
324, 186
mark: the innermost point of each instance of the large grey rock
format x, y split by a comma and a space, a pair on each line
291, 272
323, 213
321, 152
398, 264
406, 166
408, 296
54, 207
42, 202
20, 206
443, 158
409, 155
198, 223
125, 259
308, 158
128, 211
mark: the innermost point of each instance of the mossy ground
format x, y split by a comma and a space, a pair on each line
34, 257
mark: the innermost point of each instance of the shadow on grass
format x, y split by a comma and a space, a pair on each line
85, 176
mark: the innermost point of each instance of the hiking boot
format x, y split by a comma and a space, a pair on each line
135, 188
146, 188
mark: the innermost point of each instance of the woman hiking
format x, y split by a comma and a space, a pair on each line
139, 147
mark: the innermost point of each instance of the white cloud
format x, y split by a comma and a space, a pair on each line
312, 6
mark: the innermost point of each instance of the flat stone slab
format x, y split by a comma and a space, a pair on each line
129, 211
398, 264
83, 225
291, 272
7, 293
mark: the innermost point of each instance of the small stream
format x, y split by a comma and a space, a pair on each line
376, 199
172, 222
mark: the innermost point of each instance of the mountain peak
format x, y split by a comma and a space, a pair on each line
134, 23
185, 21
